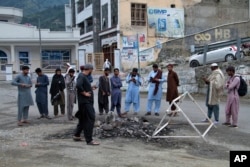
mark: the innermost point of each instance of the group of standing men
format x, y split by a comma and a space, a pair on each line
83, 90
24, 83
132, 97
216, 85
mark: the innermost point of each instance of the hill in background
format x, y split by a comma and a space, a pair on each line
51, 12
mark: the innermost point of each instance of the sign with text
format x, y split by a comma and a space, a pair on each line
167, 22
129, 42
239, 158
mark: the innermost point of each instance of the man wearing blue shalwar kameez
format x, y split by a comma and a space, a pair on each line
116, 93
133, 93
24, 100
156, 80
42, 94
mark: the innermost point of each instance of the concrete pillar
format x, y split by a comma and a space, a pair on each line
96, 25
12, 54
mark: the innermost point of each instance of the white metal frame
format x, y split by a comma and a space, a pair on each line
162, 125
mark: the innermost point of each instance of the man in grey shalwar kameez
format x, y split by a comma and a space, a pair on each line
71, 92
24, 100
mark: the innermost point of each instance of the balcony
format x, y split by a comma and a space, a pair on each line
11, 14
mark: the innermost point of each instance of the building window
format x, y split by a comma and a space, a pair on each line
3, 61
52, 59
138, 14
88, 2
80, 6
89, 24
114, 13
23, 59
82, 28
104, 16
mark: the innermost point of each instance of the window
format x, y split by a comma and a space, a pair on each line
89, 24
52, 59
114, 13
3, 61
138, 14
80, 6
104, 16
23, 59
88, 2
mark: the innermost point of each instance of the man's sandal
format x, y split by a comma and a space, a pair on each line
93, 143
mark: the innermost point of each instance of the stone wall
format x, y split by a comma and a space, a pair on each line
242, 68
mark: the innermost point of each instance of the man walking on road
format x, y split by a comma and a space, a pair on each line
42, 94
86, 111
172, 91
215, 83
232, 105
104, 92
24, 100
156, 80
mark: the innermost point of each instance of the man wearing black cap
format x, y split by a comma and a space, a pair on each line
24, 84
41, 85
57, 92
86, 111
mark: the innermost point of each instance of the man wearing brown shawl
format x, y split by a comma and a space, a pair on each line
156, 80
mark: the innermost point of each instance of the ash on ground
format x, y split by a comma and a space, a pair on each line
135, 127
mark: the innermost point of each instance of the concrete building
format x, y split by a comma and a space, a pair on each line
27, 44
112, 29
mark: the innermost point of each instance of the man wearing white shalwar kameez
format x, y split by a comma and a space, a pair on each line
133, 92
156, 80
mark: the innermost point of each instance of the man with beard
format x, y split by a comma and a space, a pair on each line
24, 84
172, 91
57, 92
133, 92
104, 92
215, 82
86, 111
156, 80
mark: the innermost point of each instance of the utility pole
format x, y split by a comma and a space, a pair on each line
40, 37
138, 52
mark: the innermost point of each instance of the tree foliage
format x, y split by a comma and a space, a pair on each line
50, 12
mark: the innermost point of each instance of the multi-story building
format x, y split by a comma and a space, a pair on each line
108, 27
26, 44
